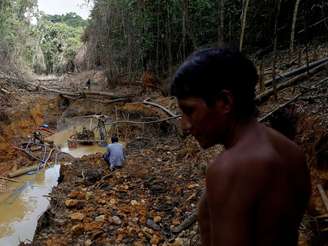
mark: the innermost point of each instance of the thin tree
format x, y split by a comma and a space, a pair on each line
184, 27
243, 23
221, 37
275, 42
292, 35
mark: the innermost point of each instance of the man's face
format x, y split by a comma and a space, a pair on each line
206, 124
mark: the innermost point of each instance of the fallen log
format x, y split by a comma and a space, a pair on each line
86, 93
261, 97
298, 71
7, 179
23, 171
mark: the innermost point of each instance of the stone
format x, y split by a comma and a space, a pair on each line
77, 217
77, 230
89, 196
100, 218
178, 242
77, 195
155, 240
88, 242
102, 202
134, 203
116, 220
153, 225
112, 201
157, 219
93, 226
70, 203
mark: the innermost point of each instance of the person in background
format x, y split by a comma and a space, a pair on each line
115, 154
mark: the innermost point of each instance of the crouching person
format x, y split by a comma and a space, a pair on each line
115, 154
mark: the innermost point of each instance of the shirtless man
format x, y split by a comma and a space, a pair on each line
257, 190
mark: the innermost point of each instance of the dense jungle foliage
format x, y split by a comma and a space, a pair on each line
31, 39
127, 37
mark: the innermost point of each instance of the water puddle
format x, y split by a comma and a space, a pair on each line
23, 204
61, 140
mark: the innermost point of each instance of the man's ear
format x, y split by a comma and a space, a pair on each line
225, 101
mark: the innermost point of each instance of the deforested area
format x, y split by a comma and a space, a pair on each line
170, 122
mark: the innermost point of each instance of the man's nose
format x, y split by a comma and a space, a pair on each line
185, 125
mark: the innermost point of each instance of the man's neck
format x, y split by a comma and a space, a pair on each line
237, 130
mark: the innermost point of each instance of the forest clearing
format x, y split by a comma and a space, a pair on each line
68, 84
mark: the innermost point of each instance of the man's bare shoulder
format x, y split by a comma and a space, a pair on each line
242, 175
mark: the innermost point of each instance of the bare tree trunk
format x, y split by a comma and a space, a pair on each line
221, 37
168, 38
292, 35
262, 85
230, 28
184, 27
275, 41
157, 40
243, 23
306, 38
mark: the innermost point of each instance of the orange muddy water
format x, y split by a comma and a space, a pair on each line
23, 204
61, 140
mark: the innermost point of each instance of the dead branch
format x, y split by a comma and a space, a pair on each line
7, 179
313, 25
323, 196
161, 107
279, 107
5, 91
186, 223
27, 153
144, 122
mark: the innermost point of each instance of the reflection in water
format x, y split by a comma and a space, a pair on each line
23, 204
60, 139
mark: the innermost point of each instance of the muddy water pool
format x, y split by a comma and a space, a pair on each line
23, 204
61, 140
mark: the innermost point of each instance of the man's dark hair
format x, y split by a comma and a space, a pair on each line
114, 139
207, 72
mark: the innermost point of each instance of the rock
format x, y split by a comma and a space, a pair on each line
91, 175
93, 226
88, 242
157, 219
102, 202
77, 230
177, 242
89, 196
134, 203
112, 201
155, 240
153, 225
70, 203
77, 195
116, 220
77, 217
100, 218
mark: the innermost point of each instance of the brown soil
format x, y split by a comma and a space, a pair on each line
163, 177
